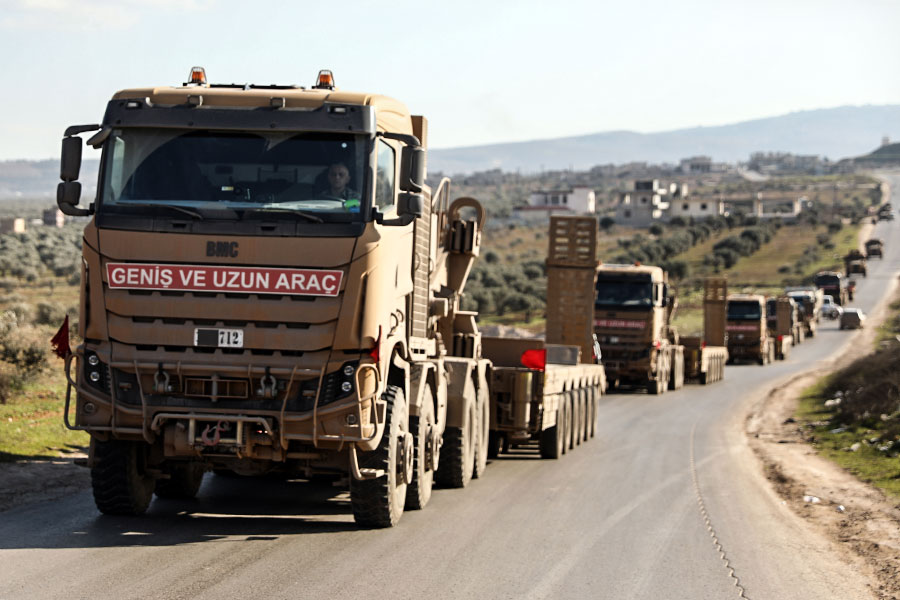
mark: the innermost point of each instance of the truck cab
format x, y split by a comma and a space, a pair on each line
748, 336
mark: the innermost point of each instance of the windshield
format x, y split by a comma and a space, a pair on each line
624, 293
829, 280
248, 173
743, 311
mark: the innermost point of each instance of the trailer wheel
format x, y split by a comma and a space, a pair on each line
676, 378
483, 430
418, 493
571, 417
185, 479
458, 451
552, 442
379, 502
119, 477
578, 418
595, 409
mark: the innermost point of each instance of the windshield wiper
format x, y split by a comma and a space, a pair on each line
305, 215
186, 211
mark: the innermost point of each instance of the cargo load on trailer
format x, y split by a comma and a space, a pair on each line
549, 391
832, 284
705, 356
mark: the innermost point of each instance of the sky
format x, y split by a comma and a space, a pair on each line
482, 72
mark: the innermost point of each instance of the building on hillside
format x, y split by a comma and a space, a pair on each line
580, 200
53, 217
12, 225
574, 201
644, 205
780, 205
696, 207
696, 165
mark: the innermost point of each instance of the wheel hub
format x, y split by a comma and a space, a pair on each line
432, 448
405, 453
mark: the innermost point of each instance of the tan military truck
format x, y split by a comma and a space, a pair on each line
549, 392
874, 247
268, 284
832, 284
809, 301
633, 309
705, 356
748, 333
855, 263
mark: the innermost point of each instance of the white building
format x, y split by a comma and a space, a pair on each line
644, 205
697, 208
580, 200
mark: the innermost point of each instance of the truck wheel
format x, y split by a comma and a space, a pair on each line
655, 387
184, 480
585, 414
119, 477
379, 502
483, 429
552, 440
595, 409
676, 381
418, 493
458, 451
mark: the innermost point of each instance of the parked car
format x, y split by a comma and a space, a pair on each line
852, 318
829, 309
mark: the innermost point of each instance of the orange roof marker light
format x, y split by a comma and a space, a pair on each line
325, 80
197, 76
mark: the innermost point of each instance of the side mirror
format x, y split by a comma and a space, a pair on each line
68, 193
70, 161
412, 169
409, 207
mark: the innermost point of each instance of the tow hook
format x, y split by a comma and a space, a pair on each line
267, 385
161, 381
405, 454
217, 431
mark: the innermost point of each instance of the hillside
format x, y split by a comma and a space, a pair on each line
834, 133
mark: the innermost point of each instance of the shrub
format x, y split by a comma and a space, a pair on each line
49, 313
25, 347
656, 229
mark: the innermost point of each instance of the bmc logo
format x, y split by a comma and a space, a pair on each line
227, 249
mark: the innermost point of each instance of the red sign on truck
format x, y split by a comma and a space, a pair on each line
619, 324
207, 278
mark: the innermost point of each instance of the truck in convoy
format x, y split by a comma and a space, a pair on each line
269, 285
783, 325
833, 284
748, 332
855, 263
705, 356
810, 301
633, 311
792, 321
874, 247
549, 390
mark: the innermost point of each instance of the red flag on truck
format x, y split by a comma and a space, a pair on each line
60, 341
534, 359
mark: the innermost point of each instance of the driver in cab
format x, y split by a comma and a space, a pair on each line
338, 187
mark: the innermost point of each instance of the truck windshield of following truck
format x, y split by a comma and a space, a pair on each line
743, 311
619, 292
238, 174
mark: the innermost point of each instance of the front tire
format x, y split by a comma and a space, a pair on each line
483, 430
379, 502
119, 477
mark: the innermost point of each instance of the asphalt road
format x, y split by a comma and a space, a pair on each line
618, 518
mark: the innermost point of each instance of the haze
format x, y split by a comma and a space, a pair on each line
482, 72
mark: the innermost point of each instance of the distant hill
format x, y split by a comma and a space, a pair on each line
834, 133
38, 178
887, 155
